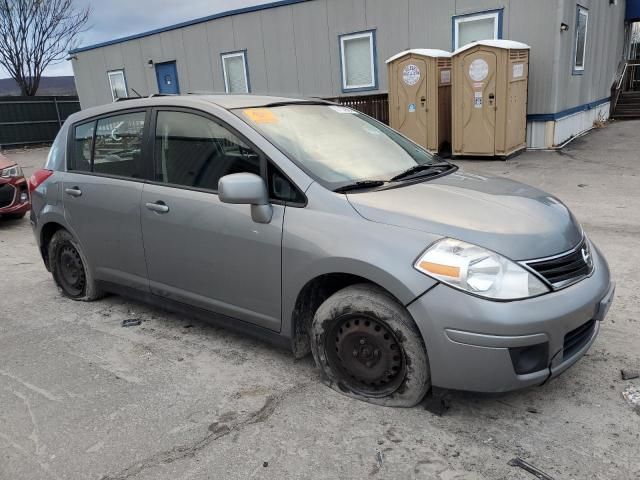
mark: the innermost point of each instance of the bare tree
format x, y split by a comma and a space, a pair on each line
35, 34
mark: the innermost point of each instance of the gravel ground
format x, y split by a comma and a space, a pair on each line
83, 398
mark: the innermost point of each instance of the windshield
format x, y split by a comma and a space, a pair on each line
336, 145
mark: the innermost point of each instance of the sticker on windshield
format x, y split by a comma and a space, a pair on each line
339, 109
261, 115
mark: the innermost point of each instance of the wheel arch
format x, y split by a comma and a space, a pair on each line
319, 287
47, 232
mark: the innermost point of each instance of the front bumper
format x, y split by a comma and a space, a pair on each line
11, 191
471, 341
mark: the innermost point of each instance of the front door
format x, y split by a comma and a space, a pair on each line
102, 190
199, 250
167, 76
479, 103
412, 100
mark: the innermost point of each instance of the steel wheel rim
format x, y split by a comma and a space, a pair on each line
71, 270
367, 354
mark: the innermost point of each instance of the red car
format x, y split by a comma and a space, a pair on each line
14, 190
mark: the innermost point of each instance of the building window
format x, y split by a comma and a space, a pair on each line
580, 47
358, 61
236, 76
118, 85
477, 26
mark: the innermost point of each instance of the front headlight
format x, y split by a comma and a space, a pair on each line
10, 172
478, 271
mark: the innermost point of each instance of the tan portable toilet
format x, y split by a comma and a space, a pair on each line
420, 97
489, 103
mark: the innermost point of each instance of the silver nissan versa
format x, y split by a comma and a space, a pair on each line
322, 230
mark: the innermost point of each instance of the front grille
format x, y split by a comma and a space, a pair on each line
577, 338
566, 269
7, 193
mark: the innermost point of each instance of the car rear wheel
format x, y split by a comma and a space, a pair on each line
69, 268
368, 347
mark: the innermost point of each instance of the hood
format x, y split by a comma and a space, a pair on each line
5, 162
508, 217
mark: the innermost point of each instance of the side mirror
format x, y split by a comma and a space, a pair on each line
247, 189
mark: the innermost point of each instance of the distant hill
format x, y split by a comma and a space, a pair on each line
48, 86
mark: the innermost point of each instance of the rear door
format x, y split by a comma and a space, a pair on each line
199, 250
479, 105
102, 189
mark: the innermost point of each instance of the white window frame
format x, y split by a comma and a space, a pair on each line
472, 18
579, 69
113, 73
243, 54
372, 49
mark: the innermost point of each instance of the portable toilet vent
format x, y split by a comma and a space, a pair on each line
420, 97
489, 105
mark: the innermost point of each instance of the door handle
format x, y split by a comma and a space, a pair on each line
158, 207
74, 192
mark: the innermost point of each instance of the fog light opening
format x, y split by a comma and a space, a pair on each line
529, 359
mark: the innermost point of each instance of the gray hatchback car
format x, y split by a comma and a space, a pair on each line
323, 230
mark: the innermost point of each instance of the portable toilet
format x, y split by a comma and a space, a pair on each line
420, 97
489, 104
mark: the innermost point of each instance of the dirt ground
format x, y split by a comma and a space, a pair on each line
81, 397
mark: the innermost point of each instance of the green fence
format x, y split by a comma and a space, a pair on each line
32, 120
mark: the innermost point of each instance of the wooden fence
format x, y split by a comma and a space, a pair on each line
376, 106
33, 120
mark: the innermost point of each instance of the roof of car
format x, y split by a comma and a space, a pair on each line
226, 101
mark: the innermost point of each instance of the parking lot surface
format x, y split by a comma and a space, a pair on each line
81, 397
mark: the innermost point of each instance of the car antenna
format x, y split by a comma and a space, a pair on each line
136, 92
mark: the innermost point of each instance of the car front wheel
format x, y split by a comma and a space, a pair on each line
368, 347
69, 268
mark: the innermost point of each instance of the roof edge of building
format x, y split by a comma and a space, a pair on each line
187, 23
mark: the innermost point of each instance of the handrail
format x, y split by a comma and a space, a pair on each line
616, 88
624, 72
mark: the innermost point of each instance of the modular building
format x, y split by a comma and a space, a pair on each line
338, 48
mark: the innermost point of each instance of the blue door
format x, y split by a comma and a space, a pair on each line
167, 76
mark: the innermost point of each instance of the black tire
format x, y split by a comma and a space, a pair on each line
14, 216
368, 347
68, 266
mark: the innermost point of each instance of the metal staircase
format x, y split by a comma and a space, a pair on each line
625, 95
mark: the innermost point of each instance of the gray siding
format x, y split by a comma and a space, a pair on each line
605, 41
294, 49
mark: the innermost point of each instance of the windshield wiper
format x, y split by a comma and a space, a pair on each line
360, 185
425, 168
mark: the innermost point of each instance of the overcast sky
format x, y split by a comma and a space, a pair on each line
112, 19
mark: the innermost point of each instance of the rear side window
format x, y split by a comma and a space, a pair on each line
82, 147
110, 146
118, 145
194, 151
